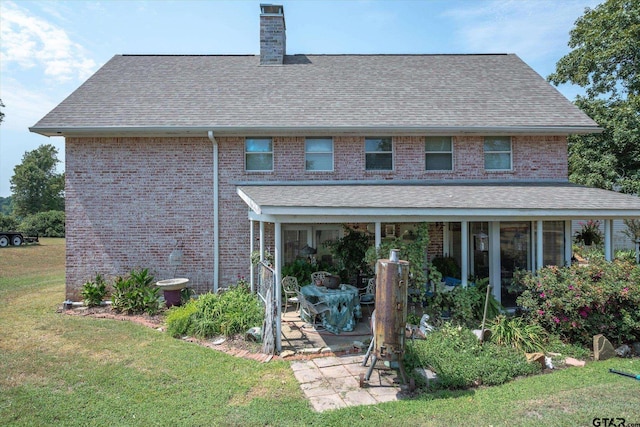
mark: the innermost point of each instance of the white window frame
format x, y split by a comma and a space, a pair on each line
426, 154
509, 152
312, 229
307, 153
247, 154
378, 152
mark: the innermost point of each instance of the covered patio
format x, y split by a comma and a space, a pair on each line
480, 220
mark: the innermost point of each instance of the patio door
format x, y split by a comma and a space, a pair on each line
294, 240
479, 249
515, 254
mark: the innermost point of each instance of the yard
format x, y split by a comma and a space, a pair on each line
75, 370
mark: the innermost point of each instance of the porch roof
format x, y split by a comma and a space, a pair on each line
414, 201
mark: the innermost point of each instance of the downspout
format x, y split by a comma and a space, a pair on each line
216, 213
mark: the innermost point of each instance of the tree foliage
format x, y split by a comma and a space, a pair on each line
5, 205
35, 185
605, 60
44, 224
609, 160
1, 113
606, 56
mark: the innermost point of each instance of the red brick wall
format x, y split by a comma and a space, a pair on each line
131, 200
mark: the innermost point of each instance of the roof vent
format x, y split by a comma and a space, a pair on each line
272, 34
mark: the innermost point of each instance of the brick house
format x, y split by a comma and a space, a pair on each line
210, 153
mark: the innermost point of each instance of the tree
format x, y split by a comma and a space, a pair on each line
1, 113
605, 60
5, 205
35, 185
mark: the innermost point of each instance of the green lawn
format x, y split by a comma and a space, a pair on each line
72, 370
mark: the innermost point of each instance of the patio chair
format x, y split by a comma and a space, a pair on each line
290, 288
318, 276
310, 310
368, 298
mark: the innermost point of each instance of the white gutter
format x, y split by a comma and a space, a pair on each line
312, 130
216, 214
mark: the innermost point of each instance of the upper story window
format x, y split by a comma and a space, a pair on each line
497, 153
318, 154
378, 154
438, 153
258, 154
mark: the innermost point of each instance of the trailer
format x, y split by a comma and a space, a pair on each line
15, 238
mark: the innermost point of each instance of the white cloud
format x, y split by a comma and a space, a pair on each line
30, 41
531, 29
23, 106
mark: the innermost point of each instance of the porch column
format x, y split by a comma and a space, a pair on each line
278, 296
539, 248
608, 241
261, 240
251, 249
445, 239
495, 278
378, 232
568, 240
464, 240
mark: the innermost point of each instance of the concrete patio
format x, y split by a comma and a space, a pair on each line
300, 338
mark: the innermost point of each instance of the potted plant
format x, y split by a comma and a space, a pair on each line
589, 233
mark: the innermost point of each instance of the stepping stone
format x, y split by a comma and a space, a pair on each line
570, 361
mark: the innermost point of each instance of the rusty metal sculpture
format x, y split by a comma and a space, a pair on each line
390, 316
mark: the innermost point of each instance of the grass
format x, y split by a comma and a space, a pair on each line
72, 370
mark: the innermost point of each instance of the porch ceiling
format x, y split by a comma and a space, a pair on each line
409, 202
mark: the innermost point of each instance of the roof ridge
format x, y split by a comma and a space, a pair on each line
314, 54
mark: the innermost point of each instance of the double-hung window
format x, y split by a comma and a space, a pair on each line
258, 154
438, 153
378, 154
318, 154
497, 153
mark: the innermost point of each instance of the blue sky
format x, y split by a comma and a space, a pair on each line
49, 48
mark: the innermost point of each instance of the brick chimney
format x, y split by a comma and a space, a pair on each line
273, 40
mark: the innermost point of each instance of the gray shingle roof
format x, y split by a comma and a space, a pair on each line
310, 91
552, 199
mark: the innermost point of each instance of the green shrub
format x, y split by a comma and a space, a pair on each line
579, 302
185, 295
179, 319
204, 320
44, 224
628, 255
447, 266
349, 254
461, 361
465, 305
517, 333
94, 291
301, 269
230, 313
136, 293
8, 223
